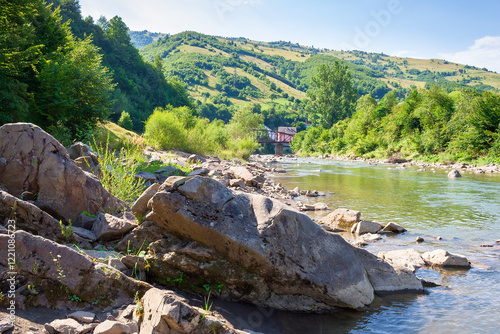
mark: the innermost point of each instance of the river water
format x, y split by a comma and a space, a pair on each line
464, 212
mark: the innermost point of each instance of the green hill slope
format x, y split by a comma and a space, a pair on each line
251, 71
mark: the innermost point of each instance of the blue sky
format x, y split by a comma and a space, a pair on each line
464, 31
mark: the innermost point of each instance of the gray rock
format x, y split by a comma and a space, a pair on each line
82, 316
146, 233
405, 258
442, 258
419, 239
393, 227
366, 226
454, 174
114, 327
29, 217
169, 171
304, 267
341, 218
199, 171
80, 149
36, 163
146, 176
247, 177
5, 325
237, 183
108, 227
167, 312
84, 233
320, 207
64, 326
85, 221
140, 206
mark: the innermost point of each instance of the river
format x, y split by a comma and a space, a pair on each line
464, 212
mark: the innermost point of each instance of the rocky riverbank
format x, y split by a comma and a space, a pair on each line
224, 231
490, 168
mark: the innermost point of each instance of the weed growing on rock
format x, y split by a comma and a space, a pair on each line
118, 169
66, 231
207, 306
139, 307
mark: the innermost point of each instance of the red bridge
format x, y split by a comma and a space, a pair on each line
282, 136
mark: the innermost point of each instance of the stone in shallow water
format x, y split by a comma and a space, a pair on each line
442, 258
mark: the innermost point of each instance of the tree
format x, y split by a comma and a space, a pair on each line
333, 93
125, 121
47, 76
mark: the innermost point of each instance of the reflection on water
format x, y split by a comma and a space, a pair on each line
465, 212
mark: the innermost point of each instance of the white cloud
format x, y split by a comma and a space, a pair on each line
484, 53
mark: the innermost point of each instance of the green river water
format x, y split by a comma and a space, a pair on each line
464, 212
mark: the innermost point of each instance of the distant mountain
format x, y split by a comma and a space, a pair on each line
243, 70
143, 38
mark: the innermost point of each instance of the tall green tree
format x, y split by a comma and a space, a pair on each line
333, 94
47, 76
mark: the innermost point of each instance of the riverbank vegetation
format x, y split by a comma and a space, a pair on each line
428, 125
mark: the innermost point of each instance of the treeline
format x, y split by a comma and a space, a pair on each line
140, 86
430, 124
66, 74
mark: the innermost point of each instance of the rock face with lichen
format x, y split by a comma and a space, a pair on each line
302, 266
35, 166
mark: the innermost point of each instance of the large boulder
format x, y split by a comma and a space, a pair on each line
108, 227
305, 267
61, 273
37, 167
28, 217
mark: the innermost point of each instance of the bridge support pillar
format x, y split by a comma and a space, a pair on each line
278, 150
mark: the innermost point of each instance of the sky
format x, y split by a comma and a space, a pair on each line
463, 31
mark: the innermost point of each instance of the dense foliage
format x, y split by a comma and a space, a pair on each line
180, 128
47, 76
428, 124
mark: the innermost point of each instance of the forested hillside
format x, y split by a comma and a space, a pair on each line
66, 73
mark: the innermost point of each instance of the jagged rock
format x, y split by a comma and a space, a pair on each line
116, 327
5, 325
366, 226
87, 164
82, 316
108, 227
64, 326
237, 183
53, 265
145, 234
167, 312
404, 258
84, 233
29, 217
199, 171
37, 165
85, 221
393, 227
79, 149
140, 206
442, 258
454, 174
305, 267
341, 218
247, 177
